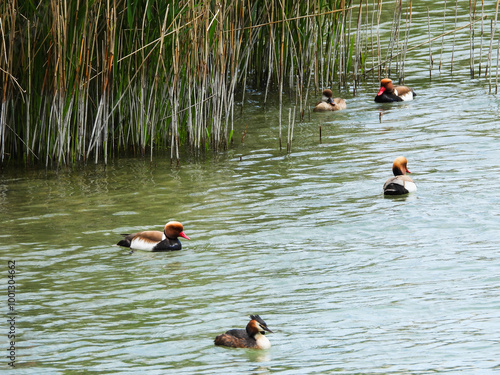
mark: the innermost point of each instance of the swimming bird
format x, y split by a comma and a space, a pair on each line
390, 93
153, 240
251, 337
401, 183
328, 103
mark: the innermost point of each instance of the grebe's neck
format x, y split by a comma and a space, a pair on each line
262, 341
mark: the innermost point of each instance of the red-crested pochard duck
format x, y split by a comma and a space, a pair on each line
254, 336
401, 183
153, 240
390, 93
328, 103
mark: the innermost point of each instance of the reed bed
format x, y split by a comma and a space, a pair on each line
82, 81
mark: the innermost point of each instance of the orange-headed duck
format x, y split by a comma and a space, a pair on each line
390, 93
254, 336
153, 240
401, 183
328, 103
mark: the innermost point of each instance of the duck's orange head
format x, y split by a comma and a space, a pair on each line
399, 167
174, 229
385, 85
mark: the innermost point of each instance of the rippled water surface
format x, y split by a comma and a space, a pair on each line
349, 281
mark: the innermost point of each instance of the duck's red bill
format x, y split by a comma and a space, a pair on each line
382, 89
184, 236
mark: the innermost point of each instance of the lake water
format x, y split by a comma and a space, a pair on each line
349, 281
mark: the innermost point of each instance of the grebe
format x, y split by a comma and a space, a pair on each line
328, 103
153, 240
389, 93
400, 183
251, 337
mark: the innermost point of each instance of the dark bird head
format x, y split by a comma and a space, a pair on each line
257, 325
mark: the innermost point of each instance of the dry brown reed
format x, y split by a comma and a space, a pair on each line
82, 81
137, 76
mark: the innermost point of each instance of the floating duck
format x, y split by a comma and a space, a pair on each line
254, 336
328, 103
153, 240
389, 93
400, 183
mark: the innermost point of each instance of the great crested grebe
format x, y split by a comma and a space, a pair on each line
153, 240
401, 183
254, 336
390, 93
328, 103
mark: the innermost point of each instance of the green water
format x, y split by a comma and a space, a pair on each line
349, 281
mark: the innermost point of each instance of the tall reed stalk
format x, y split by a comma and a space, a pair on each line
82, 81
87, 80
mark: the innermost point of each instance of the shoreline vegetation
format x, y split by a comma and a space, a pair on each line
83, 81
